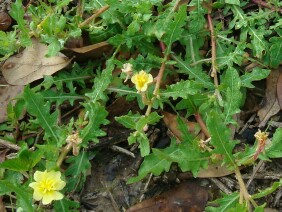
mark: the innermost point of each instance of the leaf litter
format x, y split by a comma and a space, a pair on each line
32, 64
111, 168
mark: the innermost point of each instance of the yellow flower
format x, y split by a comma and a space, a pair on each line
47, 186
141, 80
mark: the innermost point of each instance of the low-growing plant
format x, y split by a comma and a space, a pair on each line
189, 56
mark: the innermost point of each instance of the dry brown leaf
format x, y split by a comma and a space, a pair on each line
272, 106
187, 196
85, 49
7, 93
31, 64
171, 122
279, 90
214, 170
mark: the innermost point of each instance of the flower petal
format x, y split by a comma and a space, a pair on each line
37, 194
134, 79
53, 175
38, 175
59, 184
34, 185
50, 196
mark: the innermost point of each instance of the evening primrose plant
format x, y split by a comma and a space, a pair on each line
179, 56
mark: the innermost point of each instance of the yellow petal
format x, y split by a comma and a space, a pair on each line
38, 176
50, 196
33, 185
59, 184
134, 79
150, 80
37, 194
53, 175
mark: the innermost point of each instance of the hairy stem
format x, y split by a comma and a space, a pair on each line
244, 195
202, 124
213, 49
63, 154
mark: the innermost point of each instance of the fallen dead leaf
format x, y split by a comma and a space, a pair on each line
279, 90
214, 170
32, 64
2, 158
85, 49
271, 106
7, 93
171, 122
187, 196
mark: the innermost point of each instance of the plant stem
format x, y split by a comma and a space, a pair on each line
243, 190
202, 124
63, 154
266, 5
213, 57
158, 81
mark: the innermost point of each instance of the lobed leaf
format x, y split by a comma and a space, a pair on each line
254, 75
220, 138
181, 89
101, 83
37, 107
233, 95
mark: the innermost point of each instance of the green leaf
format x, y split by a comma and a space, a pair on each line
254, 75
240, 19
258, 42
101, 83
23, 195
268, 191
175, 30
8, 42
17, 12
260, 208
129, 120
77, 170
194, 73
196, 19
181, 89
37, 107
220, 138
228, 201
152, 118
96, 117
275, 51
25, 161
66, 205
187, 155
152, 164
235, 2
233, 95
144, 144
275, 148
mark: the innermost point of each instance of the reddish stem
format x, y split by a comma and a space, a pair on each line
202, 124
266, 5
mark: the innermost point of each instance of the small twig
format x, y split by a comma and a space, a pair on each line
122, 150
95, 15
9, 145
260, 163
146, 187
221, 186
